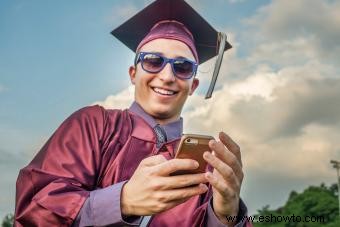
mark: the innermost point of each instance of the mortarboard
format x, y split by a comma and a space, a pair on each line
208, 41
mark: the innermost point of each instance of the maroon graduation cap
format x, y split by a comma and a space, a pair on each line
209, 43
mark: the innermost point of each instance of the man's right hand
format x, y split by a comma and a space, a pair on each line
151, 190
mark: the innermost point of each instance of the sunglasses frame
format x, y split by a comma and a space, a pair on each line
140, 58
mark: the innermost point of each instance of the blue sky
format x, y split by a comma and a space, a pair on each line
56, 57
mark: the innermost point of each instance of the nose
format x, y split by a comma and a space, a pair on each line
166, 74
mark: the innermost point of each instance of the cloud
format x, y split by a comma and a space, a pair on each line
289, 20
120, 100
287, 123
267, 111
285, 52
286, 20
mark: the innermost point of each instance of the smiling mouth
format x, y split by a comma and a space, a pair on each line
164, 91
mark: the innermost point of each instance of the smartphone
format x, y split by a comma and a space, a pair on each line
192, 146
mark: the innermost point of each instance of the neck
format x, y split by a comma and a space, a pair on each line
155, 118
164, 121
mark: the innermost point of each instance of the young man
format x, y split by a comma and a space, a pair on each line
112, 167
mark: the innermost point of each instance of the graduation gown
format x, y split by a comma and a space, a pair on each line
93, 148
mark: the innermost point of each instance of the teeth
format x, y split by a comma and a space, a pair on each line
163, 92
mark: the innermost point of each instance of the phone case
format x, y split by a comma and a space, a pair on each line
192, 146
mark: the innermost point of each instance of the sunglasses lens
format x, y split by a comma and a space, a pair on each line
152, 62
183, 68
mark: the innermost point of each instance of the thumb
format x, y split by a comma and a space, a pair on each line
153, 160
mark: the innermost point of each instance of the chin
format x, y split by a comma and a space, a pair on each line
164, 113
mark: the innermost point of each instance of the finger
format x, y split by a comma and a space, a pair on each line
225, 170
231, 145
168, 167
234, 185
221, 186
153, 160
176, 202
163, 206
181, 181
227, 157
184, 193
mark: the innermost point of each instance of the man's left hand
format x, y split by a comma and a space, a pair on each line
227, 176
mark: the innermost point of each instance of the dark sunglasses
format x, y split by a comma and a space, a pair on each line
154, 63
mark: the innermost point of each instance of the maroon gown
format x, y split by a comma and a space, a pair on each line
94, 148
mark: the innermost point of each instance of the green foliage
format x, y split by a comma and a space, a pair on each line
315, 201
334, 189
8, 221
333, 224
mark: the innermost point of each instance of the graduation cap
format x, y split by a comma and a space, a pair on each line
208, 41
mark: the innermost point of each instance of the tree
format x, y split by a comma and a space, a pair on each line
8, 220
314, 201
334, 189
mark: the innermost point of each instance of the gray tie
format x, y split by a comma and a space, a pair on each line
145, 221
161, 135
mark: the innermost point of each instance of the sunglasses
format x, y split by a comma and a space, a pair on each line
153, 63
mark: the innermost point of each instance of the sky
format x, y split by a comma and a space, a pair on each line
278, 92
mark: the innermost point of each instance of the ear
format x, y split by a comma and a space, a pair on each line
194, 85
132, 73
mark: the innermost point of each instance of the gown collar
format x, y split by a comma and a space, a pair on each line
173, 129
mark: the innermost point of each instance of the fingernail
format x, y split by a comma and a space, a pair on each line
203, 186
196, 164
207, 155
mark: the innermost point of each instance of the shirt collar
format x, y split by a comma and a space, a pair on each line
173, 130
